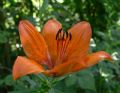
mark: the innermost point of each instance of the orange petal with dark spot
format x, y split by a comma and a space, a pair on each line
24, 66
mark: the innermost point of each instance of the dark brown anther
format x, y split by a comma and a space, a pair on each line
70, 36
66, 34
63, 37
59, 31
57, 35
62, 41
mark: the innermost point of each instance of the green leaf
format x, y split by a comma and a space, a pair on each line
86, 81
71, 80
43, 7
3, 36
52, 90
58, 79
1, 82
9, 80
21, 91
30, 81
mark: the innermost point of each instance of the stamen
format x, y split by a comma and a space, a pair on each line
57, 35
63, 36
66, 34
63, 39
70, 35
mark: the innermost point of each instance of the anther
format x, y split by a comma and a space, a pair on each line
57, 35
59, 31
66, 34
63, 37
62, 41
70, 35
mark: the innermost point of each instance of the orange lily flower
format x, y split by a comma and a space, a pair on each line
54, 52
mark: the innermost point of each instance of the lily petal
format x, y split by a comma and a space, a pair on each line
32, 41
64, 68
24, 66
79, 44
74, 65
92, 59
49, 32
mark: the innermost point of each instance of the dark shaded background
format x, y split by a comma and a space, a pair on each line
104, 17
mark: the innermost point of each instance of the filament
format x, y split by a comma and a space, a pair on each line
62, 40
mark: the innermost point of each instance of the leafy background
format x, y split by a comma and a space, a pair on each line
104, 17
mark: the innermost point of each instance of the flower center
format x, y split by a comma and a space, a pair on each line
63, 39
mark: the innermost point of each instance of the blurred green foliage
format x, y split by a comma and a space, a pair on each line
104, 17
